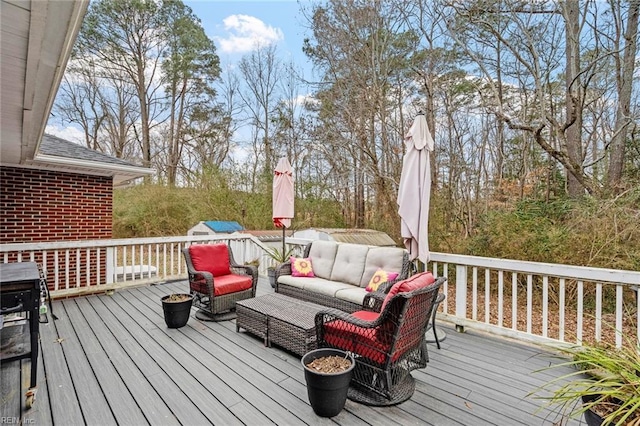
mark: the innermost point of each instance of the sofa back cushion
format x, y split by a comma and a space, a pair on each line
323, 254
386, 258
212, 258
349, 264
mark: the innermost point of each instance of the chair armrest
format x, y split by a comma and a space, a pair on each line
332, 314
244, 269
199, 275
282, 269
249, 270
373, 301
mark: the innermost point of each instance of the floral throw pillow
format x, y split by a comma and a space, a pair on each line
380, 277
301, 267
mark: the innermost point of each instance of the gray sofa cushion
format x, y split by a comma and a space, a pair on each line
386, 258
353, 294
323, 254
297, 282
349, 264
325, 287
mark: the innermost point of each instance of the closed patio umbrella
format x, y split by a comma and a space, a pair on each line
415, 190
283, 197
414, 193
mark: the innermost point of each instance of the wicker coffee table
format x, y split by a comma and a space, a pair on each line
281, 320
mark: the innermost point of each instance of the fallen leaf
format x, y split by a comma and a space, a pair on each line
59, 340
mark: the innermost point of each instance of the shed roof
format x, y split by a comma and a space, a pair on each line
359, 236
223, 226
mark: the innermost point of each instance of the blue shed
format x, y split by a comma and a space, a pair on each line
211, 227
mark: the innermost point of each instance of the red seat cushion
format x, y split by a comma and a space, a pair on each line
415, 282
224, 284
213, 258
349, 337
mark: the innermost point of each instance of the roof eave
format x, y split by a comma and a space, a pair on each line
121, 173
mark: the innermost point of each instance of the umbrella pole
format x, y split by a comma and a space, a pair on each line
283, 245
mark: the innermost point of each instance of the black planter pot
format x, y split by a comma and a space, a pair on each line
327, 392
176, 314
591, 418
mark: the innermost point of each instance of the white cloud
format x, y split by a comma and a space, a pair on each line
69, 133
247, 32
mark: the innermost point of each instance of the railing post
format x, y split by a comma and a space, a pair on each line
461, 294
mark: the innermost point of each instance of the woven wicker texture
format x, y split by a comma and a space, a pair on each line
386, 349
208, 302
252, 314
294, 328
280, 320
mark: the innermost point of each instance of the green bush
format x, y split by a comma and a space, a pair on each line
587, 232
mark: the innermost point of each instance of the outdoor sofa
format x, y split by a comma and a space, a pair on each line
341, 273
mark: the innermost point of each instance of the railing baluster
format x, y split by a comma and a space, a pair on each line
78, 267
500, 297
619, 312
474, 294
124, 263
98, 265
545, 306
579, 312
461, 291
529, 303
598, 315
514, 300
56, 272
171, 254
141, 257
88, 268
67, 268
445, 286
158, 261
637, 290
561, 308
487, 296
164, 258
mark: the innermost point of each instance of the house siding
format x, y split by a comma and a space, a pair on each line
45, 206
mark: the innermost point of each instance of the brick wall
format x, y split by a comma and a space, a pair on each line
43, 206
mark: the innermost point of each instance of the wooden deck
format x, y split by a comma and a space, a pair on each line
110, 359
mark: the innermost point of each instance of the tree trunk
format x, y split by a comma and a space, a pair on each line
573, 98
623, 114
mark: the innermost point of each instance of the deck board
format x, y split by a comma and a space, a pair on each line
92, 394
110, 359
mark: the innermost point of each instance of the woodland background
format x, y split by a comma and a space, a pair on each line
533, 106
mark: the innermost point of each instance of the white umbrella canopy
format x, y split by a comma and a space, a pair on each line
414, 191
283, 196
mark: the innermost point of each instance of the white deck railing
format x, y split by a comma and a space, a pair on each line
81, 267
541, 302
527, 300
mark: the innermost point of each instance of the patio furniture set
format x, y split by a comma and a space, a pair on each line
383, 328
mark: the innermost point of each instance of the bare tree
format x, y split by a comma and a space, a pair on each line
625, 69
261, 70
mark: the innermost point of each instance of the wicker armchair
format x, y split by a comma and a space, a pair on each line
216, 281
387, 345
